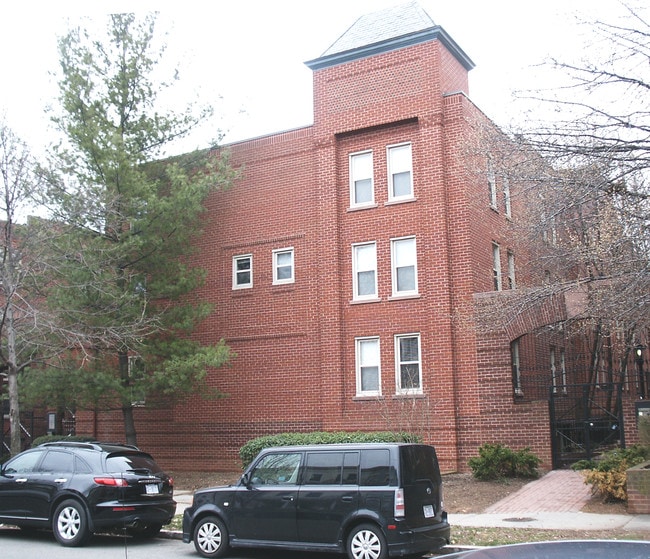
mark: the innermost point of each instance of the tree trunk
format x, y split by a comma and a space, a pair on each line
127, 406
129, 424
12, 385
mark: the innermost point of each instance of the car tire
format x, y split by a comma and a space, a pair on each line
70, 524
211, 537
367, 541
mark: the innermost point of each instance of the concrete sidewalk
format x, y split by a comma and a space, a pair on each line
552, 502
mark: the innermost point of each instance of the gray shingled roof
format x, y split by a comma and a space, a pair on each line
376, 27
386, 30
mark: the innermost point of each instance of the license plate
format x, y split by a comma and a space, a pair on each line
152, 489
428, 511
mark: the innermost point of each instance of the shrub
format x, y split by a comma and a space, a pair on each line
609, 476
497, 462
252, 448
54, 438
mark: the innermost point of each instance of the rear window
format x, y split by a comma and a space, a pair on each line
132, 463
419, 463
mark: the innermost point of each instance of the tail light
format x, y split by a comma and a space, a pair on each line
399, 503
111, 481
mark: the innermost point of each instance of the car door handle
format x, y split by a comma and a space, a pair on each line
347, 499
287, 498
21, 480
61, 480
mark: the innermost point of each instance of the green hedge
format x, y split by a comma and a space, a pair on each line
54, 438
497, 462
252, 448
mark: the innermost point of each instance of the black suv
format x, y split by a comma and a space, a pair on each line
79, 488
369, 500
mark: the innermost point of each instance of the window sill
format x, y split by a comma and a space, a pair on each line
360, 208
404, 297
402, 395
396, 201
367, 398
364, 301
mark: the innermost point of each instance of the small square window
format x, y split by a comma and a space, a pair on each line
242, 271
407, 364
361, 179
400, 172
364, 271
283, 268
404, 266
368, 367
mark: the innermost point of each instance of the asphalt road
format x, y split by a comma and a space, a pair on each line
17, 544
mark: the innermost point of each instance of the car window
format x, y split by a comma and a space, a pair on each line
331, 468
277, 469
23, 463
57, 461
376, 469
323, 468
132, 463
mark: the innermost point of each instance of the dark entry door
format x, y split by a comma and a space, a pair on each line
586, 419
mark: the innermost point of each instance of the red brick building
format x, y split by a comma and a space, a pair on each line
346, 263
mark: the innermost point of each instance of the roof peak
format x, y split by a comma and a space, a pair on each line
385, 30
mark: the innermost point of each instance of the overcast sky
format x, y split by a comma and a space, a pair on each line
251, 53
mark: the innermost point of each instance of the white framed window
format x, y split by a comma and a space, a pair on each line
242, 271
368, 369
492, 183
362, 191
404, 266
364, 271
400, 172
512, 283
506, 196
408, 369
496, 266
283, 266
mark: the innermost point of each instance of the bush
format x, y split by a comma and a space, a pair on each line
608, 477
497, 462
253, 447
54, 438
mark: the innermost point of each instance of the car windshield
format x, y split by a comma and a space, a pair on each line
132, 463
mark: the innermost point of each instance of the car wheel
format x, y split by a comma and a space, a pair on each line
147, 531
70, 525
211, 537
367, 541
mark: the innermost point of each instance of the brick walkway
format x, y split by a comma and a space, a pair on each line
557, 491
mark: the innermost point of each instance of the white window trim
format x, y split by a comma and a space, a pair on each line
512, 280
492, 182
497, 282
506, 196
393, 268
411, 195
359, 364
353, 202
235, 259
277, 252
398, 370
355, 274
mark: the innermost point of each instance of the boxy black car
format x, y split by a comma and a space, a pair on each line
77, 489
370, 501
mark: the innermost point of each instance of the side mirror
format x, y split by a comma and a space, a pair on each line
246, 480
